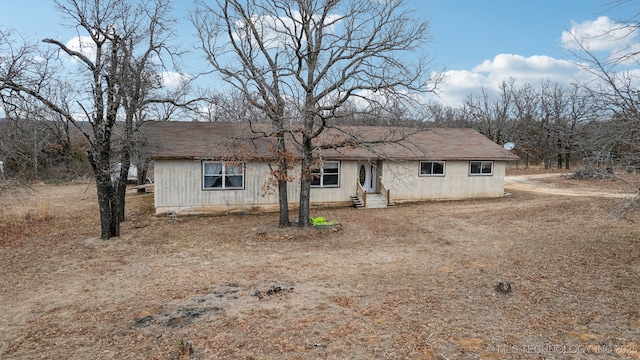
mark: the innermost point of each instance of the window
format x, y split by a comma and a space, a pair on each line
220, 175
431, 168
327, 176
480, 167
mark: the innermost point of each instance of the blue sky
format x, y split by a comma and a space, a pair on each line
480, 43
467, 32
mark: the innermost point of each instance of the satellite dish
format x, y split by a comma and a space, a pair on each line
509, 146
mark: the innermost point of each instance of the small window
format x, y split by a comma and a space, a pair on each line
327, 176
220, 175
431, 168
480, 167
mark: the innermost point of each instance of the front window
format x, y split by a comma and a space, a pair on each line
431, 168
480, 167
221, 175
326, 176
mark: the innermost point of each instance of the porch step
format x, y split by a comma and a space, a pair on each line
374, 201
357, 202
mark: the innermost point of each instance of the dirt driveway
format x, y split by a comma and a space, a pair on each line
561, 184
417, 281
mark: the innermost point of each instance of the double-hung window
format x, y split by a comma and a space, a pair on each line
431, 168
480, 167
328, 175
222, 175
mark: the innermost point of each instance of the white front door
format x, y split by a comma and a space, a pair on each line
367, 176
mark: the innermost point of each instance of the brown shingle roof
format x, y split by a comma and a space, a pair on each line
200, 140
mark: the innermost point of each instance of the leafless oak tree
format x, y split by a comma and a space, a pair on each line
117, 59
614, 87
301, 61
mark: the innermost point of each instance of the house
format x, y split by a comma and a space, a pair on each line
226, 167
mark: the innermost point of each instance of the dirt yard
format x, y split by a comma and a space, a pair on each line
417, 281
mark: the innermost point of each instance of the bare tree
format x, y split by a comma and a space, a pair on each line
614, 90
301, 61
62, 150
238, 46
117, 64
229, 106
547, 122
566, 110
494, 118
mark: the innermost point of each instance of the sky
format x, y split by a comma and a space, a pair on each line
479, 43
482, 43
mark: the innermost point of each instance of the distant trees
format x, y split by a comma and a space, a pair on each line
301, 62
34, 150
37, 143
548, 122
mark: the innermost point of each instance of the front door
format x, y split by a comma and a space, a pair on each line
367, 176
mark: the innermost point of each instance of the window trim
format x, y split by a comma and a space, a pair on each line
321, 174
444, 168
482, 162
224, 175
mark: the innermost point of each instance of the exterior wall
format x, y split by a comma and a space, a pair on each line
178, 186
406, 184
343, 193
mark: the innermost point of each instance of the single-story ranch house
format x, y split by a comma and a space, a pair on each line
226, 167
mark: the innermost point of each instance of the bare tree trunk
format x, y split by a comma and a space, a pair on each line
104, 204
283, 196
142, 165
121, 186
559, 161
125, 161
142, 173
304, 211
283, 200
109, 225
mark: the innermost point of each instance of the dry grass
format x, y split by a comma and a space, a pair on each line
18, 220
413, 282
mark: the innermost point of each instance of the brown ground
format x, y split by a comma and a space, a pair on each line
417, 281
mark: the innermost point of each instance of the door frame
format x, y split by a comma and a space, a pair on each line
370, 175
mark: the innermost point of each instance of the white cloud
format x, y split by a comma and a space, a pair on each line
490, 74
457, 85
619, 42
602, 34
528, 69
172, 79
83, 45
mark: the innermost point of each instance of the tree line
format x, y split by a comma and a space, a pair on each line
550, 124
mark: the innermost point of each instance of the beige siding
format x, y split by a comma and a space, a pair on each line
342, 193
178, 186
407, 185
